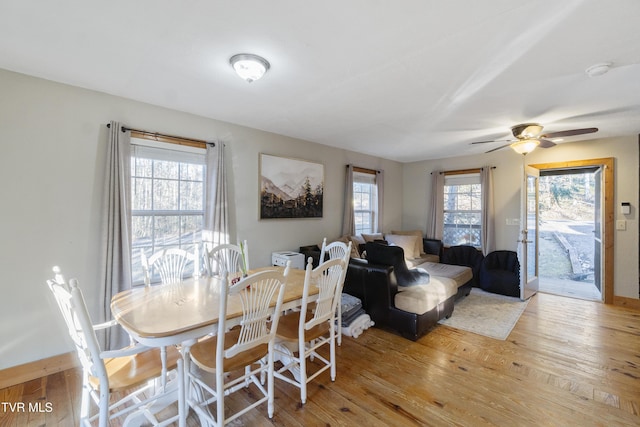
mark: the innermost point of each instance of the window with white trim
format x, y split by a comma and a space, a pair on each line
167, 206
365, 202
462, 210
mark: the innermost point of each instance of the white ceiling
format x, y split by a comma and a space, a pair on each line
405, 80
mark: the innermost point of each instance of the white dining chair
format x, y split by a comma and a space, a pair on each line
310, 328
337, 250
131, 371
169, 264
230, 259
246, 348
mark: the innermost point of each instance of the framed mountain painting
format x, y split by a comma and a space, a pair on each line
290, 188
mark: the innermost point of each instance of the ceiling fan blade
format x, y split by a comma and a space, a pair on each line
493, 140
571, 132
545, 143
496, 149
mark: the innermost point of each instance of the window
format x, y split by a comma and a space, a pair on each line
167, 190
462, 210
365, 202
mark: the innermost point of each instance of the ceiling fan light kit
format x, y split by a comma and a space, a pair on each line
528, 137
249, 67
525, 146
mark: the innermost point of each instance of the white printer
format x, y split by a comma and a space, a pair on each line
281, 258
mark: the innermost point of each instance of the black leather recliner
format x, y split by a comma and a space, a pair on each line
467, 256
312, 251
500, 273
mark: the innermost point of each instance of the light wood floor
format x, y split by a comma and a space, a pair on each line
568, 362
570, 288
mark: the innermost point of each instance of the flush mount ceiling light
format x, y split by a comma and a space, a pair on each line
248, 66
525, 146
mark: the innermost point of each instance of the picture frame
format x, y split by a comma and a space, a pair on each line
290, 188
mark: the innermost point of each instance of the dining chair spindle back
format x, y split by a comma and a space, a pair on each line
246, 348
105, 372
230, 259
170, 264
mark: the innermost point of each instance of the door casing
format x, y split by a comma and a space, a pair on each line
608, 230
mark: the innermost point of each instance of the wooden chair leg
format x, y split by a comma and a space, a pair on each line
104, 407
270, 388
302, 361
339, 323
332, 347
220, 398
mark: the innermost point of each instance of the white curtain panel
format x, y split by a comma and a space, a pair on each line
348, 221
216, 216
116, 230
488, 212
435, 224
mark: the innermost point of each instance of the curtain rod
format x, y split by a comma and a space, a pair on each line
462, 171
162, 135
365, 170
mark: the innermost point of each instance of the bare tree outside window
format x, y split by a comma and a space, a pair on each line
167, 190
463, 210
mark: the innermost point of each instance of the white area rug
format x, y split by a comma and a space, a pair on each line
487, 314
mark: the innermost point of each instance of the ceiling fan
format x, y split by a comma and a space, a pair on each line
528, 137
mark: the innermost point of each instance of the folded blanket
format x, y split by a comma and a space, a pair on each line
349, 302
351, 311
359, 325
347, 319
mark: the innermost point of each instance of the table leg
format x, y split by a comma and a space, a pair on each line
182, 411
163, 359
183, 407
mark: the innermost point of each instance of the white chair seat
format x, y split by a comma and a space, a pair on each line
126, 372
204, 353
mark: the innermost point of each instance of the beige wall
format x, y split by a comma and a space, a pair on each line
624, 150
53, 140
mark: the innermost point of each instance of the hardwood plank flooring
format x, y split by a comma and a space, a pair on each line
567, 362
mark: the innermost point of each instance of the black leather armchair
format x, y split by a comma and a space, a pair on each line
312, 251
500, 273
467, 256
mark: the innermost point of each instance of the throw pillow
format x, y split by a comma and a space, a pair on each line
372, 237
407, 243
419, 250
354, 248
356, 243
